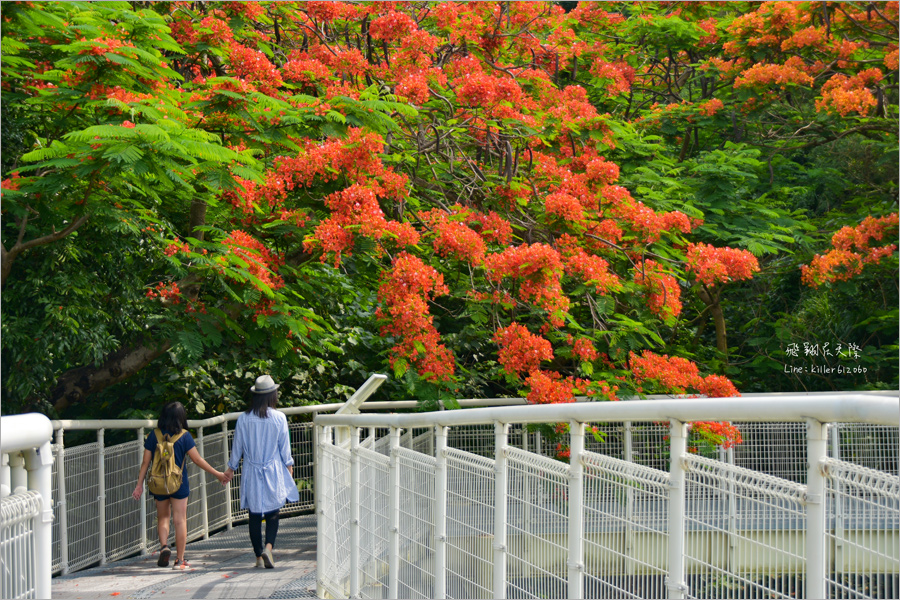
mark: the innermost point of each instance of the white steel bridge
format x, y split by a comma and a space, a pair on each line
470, 504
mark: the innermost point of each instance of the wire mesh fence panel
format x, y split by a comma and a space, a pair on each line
863, 506
123, 512
423, 441
745, 532
374, 523
334, 521
416, 578
872, 446
470, 525
302, 450
650, 444
17, 544
606, 438
195, 502
83, 505
58, 505
476, 439
777, 449
625, 537
237, 513
216, 494
381, 440
537, 526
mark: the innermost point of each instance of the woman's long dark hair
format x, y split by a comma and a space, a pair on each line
261, 403
173, 418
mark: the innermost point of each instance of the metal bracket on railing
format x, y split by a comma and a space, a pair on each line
394, 529
678, 587
501, 547
578, 566
812, 499
440, 538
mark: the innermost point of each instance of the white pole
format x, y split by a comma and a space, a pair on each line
628, 456
101, 496
576, 510
5, 476
18, 476
394, 555
440, 512
39, 464
501, 485
61, 502
144, 496
816, 450
354, 512
835, 436
228, 515
677, 449
204, 500
732, 513
319, 487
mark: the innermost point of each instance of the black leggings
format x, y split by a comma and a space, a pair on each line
256, 530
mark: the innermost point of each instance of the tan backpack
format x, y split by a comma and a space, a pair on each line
165, 474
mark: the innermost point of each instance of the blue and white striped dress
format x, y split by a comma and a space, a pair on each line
266, 450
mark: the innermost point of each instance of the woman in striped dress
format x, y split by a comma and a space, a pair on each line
261, 440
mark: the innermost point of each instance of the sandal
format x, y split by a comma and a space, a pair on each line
164, 555
181, 563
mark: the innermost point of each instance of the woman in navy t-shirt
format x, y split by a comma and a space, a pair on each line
172, 420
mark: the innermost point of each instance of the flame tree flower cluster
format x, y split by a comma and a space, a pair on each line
483, 172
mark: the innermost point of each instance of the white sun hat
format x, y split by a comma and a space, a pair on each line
264, 385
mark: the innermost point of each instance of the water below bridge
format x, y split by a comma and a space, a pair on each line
222, 566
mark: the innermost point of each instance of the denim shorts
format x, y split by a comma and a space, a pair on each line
179, 495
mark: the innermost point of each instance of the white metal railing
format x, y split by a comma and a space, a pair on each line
25, 506
470, 515
93, 519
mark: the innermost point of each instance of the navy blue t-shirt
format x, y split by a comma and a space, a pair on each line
182, 447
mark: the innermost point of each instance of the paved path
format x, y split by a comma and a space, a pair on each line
220, 567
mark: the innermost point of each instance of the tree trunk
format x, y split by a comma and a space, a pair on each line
75, 385
712, 301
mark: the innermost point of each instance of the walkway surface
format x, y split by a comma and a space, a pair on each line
220, 567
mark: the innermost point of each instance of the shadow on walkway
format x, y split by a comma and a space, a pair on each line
220, 567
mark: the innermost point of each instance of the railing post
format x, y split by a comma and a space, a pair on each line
354, 512
61, 501
440, 512
576, 510
101, 495
394, 555
5, 476
18, 477
319, 485
732, 513
143, 507
628, 456
677, 448
835, 436
228, 514
204, 500
816, 450
501, 486
39, 466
